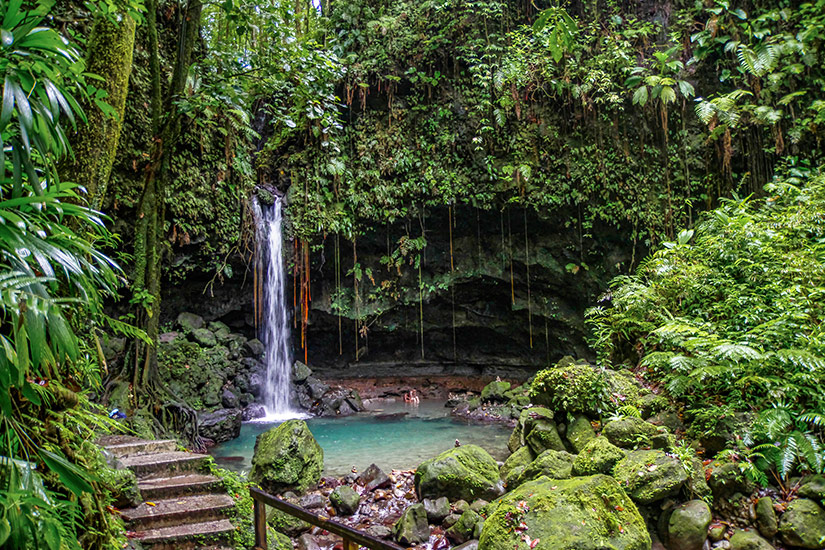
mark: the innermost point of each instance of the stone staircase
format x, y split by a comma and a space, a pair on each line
184, 508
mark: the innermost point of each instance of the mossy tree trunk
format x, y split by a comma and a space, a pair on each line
109, 55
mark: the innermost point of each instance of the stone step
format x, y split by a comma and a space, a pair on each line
177, 511
124, 445
171, 487
165, 464
204, 535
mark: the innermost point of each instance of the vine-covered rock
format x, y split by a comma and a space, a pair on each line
467, 472
599, 456
582, 513
649, 476
287, 457
629, 432
688, 526
550, 463
803, 524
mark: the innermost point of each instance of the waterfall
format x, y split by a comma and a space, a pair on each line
274, 321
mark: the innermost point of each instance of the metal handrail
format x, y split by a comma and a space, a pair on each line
352, 537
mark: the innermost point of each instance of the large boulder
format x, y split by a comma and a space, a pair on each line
766, 517
688, 526
803, 524
579, 433
526, 420
649, 476
467, 472
583, 513
300, 372
494, 392
412, 527
515, 465
743, 539
598, 456
345, 500
550, 463
287, 457
629, 432
221, 425
189, 322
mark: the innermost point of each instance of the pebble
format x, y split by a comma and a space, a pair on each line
722, 544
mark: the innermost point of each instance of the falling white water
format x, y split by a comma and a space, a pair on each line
274, 325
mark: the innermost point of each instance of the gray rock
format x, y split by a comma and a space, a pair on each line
300, 372
165, 338
450, 520
229, 399
748, 540
307, 542
469, 545
437, 509
345, 500
189, 322
412, 526
311, 501
254, 348
813, 488
316, 388
373, 478
803, 524
668, 419
221, 425
688, 526
766, 518
254, 411
379, 531
256, 384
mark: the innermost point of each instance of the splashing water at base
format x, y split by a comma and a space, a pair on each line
275, 330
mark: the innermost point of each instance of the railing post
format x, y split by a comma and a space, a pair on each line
259, 511
349, 545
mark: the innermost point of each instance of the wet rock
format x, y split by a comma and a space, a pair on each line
598, 456
189, 322
748, 540
649, 476
204, 337
437, 509
717, 532
311, 501
254, 411
803, 524
581, 513
726, 479
379, 531
544, 435
478, 505
373, 478
766, 518
462, 530
307, 542
229, 399
345, 500
629, 432
450, 520
287, 457
466, 472
813, 488
254, 348
526, 421
494, 392
515, 465
278, 541
412, 526
688, 526
579, 433
469, 545
461, 506
300, 372
316, 388
550, 463
221, 425
256, 383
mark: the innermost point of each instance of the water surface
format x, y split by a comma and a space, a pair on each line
384, 435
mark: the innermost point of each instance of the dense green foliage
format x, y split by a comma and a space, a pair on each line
730, 319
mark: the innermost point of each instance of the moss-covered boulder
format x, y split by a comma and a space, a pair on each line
287, 457
550, 463
726, 478
345, 500
697, 485
462, 530
745, 539
583, 513
544, 435
286, 523
412, 526
579, 433
599, 456
495, 392
515, 465
688, 526
630, 432
648, 476
204, 337
189, 322
278, 541
579, 388
526, 420
803, 524
766, 517
813, 488
467, 472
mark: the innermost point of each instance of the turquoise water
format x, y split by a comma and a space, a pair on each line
397, 442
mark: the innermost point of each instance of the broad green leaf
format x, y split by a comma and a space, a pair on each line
75, 479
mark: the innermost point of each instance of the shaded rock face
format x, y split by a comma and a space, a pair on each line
220, 425
688, 526
649, 476
287, 457
583, 513
412, 526
467, 472
803, 524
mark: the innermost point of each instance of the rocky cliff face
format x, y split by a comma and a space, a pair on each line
479, 317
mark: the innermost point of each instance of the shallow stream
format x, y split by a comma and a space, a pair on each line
391, 435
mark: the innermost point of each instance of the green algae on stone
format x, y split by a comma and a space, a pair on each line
550, 463
515, 465
543, 435
494, 391
526, 421
599, 456
580, 432
412, 526
583, 513
766, 517
648, 476
278, 541
462, 530
287, 457
743, 539
345, 500
803, 524
629, 432
467, 472
688, 525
